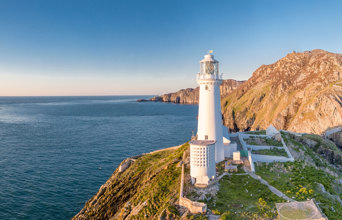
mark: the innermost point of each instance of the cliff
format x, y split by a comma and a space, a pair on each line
147, 186
300, 92
190, 96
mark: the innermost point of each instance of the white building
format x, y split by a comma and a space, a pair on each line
208, 149
202, 161
272, 131
209, 110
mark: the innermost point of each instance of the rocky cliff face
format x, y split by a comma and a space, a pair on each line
190, 96
300, 92
336, 137
148, 188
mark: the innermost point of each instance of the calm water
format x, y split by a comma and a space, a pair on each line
55, 152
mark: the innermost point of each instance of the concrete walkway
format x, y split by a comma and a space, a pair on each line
270, 158
273, 189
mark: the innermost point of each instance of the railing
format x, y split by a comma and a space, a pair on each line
209, 76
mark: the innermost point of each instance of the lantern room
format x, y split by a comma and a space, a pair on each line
209, 66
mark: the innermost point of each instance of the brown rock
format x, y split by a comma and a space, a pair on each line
190, 96
300, 92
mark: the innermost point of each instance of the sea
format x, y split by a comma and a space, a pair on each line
56, 152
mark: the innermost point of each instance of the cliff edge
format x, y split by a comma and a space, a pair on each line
144, 187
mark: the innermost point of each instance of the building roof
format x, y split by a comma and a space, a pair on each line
202, 142
271, 130
209, 58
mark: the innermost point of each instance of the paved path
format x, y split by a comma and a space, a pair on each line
270, 158
273, 189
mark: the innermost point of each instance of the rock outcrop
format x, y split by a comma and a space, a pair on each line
300, 92
335, 135
190, 96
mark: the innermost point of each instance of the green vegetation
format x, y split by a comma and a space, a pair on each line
272, 152
220, 168
242, 197
321, 141
197, 217
290, 141
164, 186
150, 187
261, 132
263, 141
316, 153
240, 169
301, 182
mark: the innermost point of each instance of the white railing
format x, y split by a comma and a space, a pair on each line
209, 76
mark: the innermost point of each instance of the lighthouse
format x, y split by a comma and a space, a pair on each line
209, 110
208, 148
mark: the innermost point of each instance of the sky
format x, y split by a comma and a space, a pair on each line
146, 47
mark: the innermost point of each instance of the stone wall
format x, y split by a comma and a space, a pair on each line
193, 207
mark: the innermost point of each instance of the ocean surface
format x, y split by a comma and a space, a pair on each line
55, 152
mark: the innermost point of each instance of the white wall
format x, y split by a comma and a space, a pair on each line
229, 149
209, 115
206, 155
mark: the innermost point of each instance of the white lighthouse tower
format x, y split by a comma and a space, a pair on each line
208, 149
209, 110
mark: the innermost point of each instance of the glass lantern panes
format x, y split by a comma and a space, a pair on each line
209, 67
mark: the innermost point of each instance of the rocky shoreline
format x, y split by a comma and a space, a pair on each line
190, 95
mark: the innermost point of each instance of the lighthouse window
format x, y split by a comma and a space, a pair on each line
206, 137
206, 87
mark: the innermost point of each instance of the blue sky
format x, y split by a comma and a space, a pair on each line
56, 47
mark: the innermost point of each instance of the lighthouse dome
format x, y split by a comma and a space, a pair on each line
209, 58
209, 66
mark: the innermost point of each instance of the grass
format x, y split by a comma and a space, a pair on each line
262, 132
162, 173
272, 152
321, 141
242, 197
300, 181
151, 183
312, 153
297, 146
262, 141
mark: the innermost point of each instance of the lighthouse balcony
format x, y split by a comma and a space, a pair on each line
209, 76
